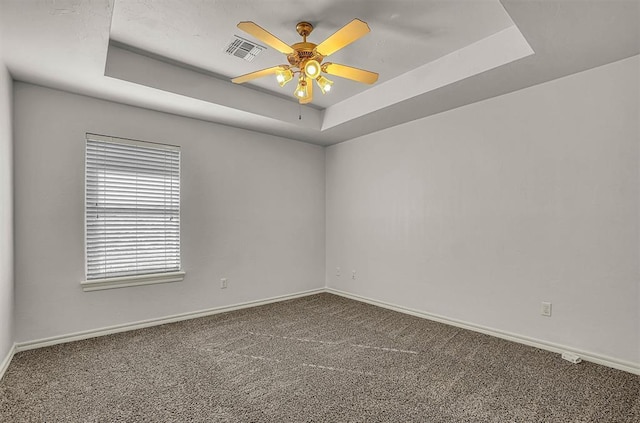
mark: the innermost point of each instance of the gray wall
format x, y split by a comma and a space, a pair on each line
252, 211
483, 212
6, 214
476, 214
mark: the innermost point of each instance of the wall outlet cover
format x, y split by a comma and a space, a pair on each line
545, 309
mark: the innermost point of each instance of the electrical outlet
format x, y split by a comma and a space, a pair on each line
223, 283
337, 271
545, 309
353, 274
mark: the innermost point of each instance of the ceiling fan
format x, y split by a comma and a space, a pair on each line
305, 58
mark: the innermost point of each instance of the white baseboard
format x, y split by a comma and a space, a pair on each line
4, 365
615, 363
93, 333
537, 343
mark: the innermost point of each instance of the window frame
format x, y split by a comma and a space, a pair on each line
111, 282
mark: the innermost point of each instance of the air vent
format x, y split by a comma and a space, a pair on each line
244, 49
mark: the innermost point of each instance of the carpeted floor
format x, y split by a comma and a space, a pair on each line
320, 358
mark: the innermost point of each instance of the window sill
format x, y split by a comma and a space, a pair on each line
125, 281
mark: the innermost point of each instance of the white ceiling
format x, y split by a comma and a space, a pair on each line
405, 34
431, 55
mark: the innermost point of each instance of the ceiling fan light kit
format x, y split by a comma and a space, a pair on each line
283, 76
324, 84
304, 90
305, 58
312, 68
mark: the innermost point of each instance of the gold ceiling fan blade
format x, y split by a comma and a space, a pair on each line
265, 36
343, 37
355, 74
257, 74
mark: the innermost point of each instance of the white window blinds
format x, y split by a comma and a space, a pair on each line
132, 207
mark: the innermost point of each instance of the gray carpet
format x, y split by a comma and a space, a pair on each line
321, 358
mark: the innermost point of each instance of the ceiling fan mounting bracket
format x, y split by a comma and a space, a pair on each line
304, 29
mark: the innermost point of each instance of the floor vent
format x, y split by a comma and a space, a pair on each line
244, 49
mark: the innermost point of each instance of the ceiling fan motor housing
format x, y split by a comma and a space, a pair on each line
302, 52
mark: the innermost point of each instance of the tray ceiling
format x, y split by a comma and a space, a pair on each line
168, 55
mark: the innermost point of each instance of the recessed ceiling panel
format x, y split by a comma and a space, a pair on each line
405, 34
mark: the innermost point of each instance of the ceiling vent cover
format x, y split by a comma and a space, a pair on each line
244, 49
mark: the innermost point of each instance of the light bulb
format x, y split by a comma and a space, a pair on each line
324, 84
283, 76
303, 91
312, 69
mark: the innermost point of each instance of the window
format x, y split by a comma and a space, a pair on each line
132, 213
